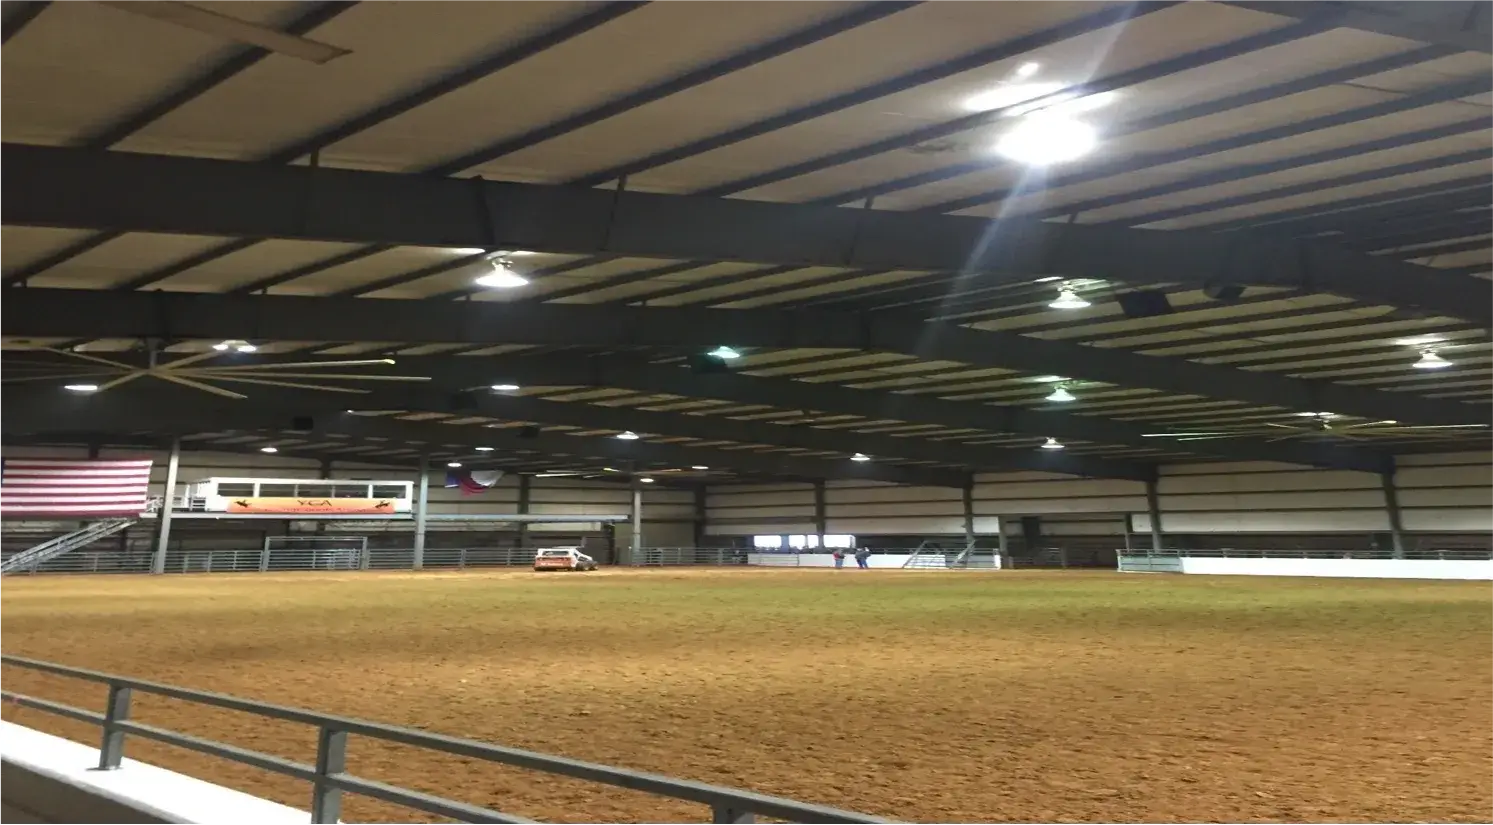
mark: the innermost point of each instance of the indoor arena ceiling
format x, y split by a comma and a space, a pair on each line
898, 241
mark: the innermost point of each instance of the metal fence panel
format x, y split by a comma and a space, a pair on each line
329, 776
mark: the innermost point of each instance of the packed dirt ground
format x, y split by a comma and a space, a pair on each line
1012, 696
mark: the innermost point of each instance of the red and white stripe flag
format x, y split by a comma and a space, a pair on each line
41, 486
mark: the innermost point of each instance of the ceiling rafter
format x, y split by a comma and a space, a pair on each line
1466, 26
501, 59
40, 313
73, 188
858, 16
180, 413
788, 394
246, 58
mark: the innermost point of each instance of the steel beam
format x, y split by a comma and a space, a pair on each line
707, 428
190, 412
41, 313
181, 315
870, 404
71, 188
19, 16
1463, 25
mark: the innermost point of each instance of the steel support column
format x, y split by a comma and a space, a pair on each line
821, 511
1392, 506
163, 536
525, 494
1153, 508
422, 506
702, 513
635, 544
969, 514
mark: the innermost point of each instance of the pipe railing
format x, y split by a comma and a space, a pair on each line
329, 776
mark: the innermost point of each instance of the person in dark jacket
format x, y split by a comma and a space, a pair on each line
862, 555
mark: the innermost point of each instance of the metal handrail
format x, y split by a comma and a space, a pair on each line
329, 776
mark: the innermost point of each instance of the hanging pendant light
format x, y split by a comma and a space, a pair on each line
1429, 360
502, 276
1061, 395
1068, 299
1052, 444
860, 457
629, 435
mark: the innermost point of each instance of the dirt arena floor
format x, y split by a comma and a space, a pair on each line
1015, 696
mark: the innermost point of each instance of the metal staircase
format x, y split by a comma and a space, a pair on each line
33, 557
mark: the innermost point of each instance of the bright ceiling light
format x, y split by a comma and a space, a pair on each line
1420, 340
1042, 139
234, 344
245, 346
1052, 444
1060, 395
81, 387
646, 480
610, 470
484, 449
466, 250
1429, 360
502, 277
221, 346
860, 457
1009, 94
724, 353
1317, 415
513, 253
506, 387
698, 467
453, 464
629, 435
1049, 279
1028, 68
1068, 299
269, 449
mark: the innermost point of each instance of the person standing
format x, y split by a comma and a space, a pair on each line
862, 558
839, 556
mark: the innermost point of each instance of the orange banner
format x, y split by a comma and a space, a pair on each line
311, 506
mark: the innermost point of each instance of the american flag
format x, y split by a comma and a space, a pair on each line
40, 486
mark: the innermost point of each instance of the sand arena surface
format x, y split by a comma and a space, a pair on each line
1025, 696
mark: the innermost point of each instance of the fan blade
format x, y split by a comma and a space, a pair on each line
66, 376
123, 379
291, 384
346, 376
301, 364
197, 385
95, 359
205, 21
190, 359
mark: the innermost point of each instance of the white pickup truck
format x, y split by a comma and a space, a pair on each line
563, 558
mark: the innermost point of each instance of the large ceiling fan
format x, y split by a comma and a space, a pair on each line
1323, 424
83, 372
217, 24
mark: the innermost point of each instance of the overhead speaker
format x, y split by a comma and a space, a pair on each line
303, 422
1145, 303
528, 432
702, 364
1223, 292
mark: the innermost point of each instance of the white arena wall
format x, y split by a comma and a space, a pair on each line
1448, 493
1443, 493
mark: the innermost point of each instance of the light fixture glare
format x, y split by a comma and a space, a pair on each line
1061, 395
1068, 299
860, 457
628, 435
81, 387
1052, 444
1041, 139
